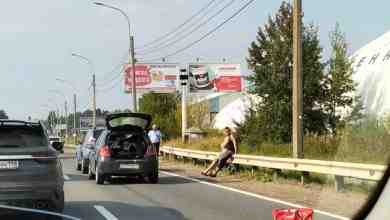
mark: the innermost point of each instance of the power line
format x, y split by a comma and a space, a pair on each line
178, 27
109, 74
181, 37
110, 88
115, 76
205, 35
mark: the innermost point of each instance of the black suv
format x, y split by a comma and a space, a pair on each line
30, 171
124, 149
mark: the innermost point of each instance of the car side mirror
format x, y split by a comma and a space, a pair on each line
58, 146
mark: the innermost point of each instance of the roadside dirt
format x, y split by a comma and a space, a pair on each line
316, 196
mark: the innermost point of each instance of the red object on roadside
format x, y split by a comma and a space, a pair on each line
293, 214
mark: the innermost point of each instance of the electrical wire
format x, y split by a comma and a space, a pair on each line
178, 27
205, 35
183, 36
111, 87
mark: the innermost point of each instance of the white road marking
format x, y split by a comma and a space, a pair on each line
105, 213
66, 177
254, 195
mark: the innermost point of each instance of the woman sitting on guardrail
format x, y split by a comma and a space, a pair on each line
228, 149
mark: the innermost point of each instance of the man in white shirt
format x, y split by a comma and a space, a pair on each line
155, 138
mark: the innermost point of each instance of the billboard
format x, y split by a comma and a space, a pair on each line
86, 122
156, 77
206, 78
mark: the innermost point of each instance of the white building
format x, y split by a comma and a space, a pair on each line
371, 66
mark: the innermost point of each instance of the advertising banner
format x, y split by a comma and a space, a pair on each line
157, 77
207, 78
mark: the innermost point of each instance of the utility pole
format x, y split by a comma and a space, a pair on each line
297, 136
74, 118
94, 101
133, 80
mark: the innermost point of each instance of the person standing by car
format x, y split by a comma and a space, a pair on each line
228, 149
155, 138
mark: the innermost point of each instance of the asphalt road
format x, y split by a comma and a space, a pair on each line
174, 198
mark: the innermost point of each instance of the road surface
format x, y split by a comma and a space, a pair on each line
174, 198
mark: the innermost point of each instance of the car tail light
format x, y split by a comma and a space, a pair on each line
150, 151
105, 151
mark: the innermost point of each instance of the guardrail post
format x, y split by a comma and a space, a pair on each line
275, 174
304, 177
339, 183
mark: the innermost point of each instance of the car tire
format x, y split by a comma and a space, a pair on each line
78, 165
153, 177
99, 178
90, 174
84, 166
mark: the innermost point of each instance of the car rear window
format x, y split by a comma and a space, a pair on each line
22, 137
123, 121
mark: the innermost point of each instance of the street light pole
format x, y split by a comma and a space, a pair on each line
74, 106
74, 119
133, 81
93, 85
58, 92
131, 53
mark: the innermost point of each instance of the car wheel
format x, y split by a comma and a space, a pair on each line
90, 174
78, 165
153, 177
99, 178
84, 166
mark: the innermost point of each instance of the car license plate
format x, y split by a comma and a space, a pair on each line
9, 165
129, 166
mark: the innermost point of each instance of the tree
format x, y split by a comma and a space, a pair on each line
357, 112
3, 114
270, 58
338, 83
162, 107
198, 115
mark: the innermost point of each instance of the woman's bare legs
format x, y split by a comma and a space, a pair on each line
211, 167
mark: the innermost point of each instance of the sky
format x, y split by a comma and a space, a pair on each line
38, 37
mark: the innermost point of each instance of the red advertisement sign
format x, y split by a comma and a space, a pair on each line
228, 84
208, 78
158, 77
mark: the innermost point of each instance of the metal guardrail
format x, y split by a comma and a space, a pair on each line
342, 169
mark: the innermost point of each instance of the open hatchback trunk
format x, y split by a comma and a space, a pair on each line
127, 138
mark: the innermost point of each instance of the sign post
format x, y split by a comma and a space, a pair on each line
183, 79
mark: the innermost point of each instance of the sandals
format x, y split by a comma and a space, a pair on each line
203, 173
213, 175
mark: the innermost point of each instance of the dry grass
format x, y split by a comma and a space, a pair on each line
361, 145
